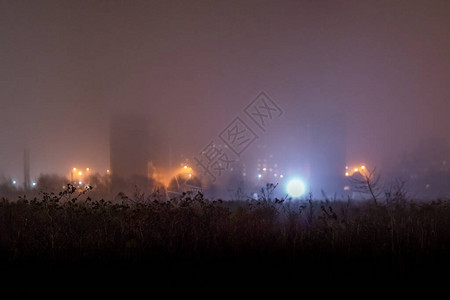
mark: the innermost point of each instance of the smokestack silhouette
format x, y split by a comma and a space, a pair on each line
26, 169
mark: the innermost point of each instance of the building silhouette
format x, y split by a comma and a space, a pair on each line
327, 149
131, 142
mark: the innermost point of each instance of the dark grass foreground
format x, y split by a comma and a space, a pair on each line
192, 242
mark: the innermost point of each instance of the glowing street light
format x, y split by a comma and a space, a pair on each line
296, 188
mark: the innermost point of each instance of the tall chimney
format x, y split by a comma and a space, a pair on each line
26, 169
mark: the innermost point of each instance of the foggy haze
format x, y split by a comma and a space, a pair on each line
191, 67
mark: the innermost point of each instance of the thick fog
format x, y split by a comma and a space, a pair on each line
372, 74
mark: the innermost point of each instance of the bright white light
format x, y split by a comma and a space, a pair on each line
79, 182
281, 176
296, 188
259, 175
14, 182
34, 183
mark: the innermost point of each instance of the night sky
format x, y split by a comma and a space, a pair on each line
67, 67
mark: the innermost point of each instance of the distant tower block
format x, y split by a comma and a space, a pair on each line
26, 169
328, 148
130, 142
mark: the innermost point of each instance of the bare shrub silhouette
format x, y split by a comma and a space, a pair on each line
367, 182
